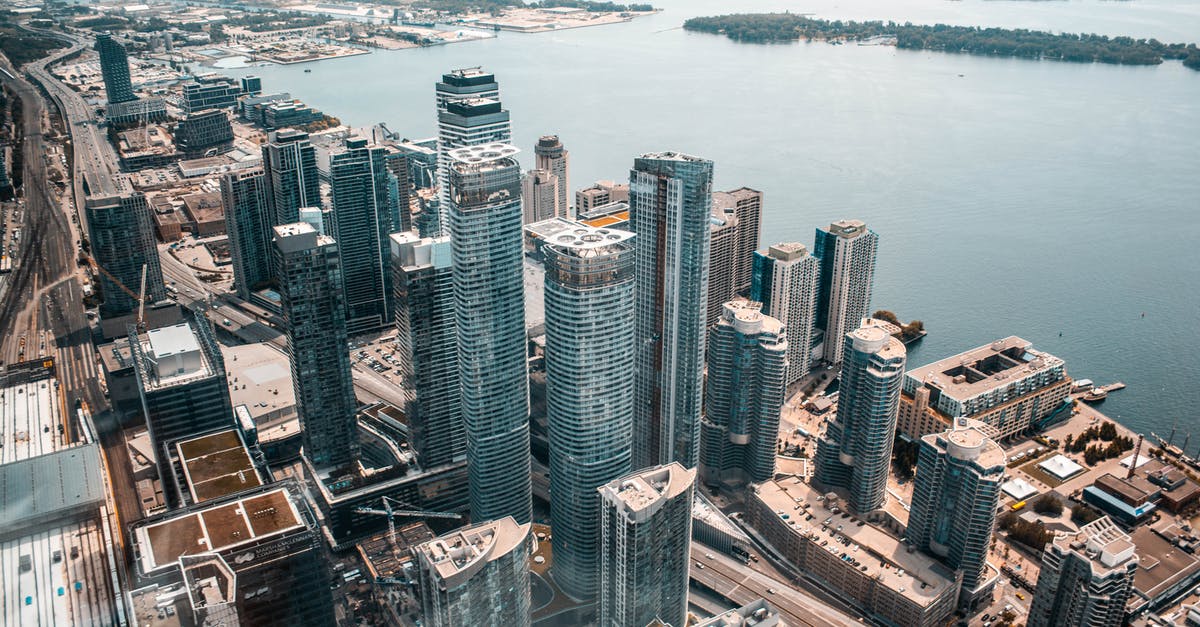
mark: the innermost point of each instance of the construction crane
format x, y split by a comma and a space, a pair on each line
140, 296
392, 513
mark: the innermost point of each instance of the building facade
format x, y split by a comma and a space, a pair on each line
589, 371
1086, 578
785, 280
599, 194
310, 288
645, 543
362, 189
847, 253
121, 235
114, 68
855, 453
247, 222
469, 113
736, 225
747, 368
550, 156
203, 133
955, 495
478, 575
210, 92
670, 197
487, 251
290, 165
427, 340
539, 196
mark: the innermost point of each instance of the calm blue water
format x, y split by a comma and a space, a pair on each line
1012, 197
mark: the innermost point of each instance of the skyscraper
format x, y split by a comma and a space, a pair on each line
589, 370
122, 242
785, 280
955, 495
361, 187
310, 286
426, 334
290, 165
114, 68
469, 114
549, 155
477, 575
670, 195
244, 197
1086, 578
847, 254
736, 224
747, 366
486, 242
856, 451
645, 539
539, 196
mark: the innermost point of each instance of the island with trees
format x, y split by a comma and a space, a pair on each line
1002, 42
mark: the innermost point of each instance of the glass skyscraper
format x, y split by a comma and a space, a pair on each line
469, 114
290, 164
114, 68
121, 231
589, 371
847, 253
244, 196
486, 243
477, 575
785, 281
670, 195
855, 453
550, 156
747, 365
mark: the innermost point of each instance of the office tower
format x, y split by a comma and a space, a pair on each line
247, 214
121, 232
114, 67
645, 539
486, 241
856, 451
290, 164
847, 254
427, 340
747, 368
589, 371
319, 218
670, 196
539, 196
469, 114
361, 187
206, 133
736, 223
477, 575
785, 280
1086, 578
1006, 384
549, 155
310, 288
955, 495
598, 194
180, 375
252, 85
210, 92
399, 188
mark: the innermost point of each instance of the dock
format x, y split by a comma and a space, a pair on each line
1112, 387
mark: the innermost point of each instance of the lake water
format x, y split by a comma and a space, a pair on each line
1055, 201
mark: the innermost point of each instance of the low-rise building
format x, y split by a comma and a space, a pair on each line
754, 614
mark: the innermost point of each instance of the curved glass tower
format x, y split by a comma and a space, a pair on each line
589, 372
486, 249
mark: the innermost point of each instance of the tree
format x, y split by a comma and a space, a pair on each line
1082, 514
1048, 505
1108, 431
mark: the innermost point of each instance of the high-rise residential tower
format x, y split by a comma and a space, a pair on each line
469, 114
121, 233
539, 196
736, 224
427, 337
549, 155
244, 197
477, 575
589, 371
114, 67
955, 494
290, 165
855, 453
785, 280
847, 253
310, 286
669, 199
487, 251
361, 187
747, 368
645, 539
1086, 578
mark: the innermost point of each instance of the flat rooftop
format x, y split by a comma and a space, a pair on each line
30, 415
66, 484
979, 370
638, 491
261, 379
568, 234
216, 528
487, 153
885, 557
217, 465
459, 552
66, 581
1161, 564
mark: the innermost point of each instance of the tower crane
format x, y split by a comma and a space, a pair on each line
391, 513
140, 296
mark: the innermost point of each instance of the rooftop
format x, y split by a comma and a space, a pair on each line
787, 251
175, 356
883, 556
1061, 466
458, 555
38, 491
261, 379
483, 154
217, 465
979, 370
58, 576
1161, 564
877, 341
647, 489
1100, 541
969, 440
30, 414
747, 317
750, 615
569, 235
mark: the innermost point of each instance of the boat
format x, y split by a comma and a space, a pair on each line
308, 70
1096, 395
1082, 384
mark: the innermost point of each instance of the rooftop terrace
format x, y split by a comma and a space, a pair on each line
982, 369
217, 465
